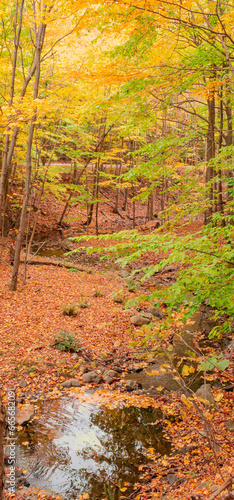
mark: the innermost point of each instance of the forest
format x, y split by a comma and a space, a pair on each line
116, 249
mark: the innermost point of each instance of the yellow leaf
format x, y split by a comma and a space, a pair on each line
160, 388
185, 400
218, 396
154, 372
186, 370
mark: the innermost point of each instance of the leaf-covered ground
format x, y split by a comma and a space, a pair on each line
32, 316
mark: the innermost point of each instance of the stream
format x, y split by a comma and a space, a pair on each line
76, 447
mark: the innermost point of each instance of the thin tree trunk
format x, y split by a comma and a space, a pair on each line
39, 44
41, 193
97, 195
5, 174
229, 139
125, 200
210, 154
116, 207
81, 173
219, 184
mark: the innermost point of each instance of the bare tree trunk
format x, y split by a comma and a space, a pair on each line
116, 207
5, 173
39, 44
125, 200
210, 154
41, 194
229, 139
219, 184
97, 195
106, 132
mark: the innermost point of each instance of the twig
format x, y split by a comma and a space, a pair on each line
223, 486
210, 253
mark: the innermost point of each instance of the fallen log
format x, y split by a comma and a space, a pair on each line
56, 263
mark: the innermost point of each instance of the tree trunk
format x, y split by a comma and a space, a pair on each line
210, 154
116, 207
229, 139
219, 184
39, 44
5, 173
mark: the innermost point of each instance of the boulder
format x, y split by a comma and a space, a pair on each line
230, 425
92, 377
29, 493
109, 376
205, 393
132, 385
72, 382
155, 312
101, 369
123, 273
23, 383
143, 318
24, 414
83, 369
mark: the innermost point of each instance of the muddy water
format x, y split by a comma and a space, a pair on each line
76, 447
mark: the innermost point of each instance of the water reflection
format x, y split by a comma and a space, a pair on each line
77, 447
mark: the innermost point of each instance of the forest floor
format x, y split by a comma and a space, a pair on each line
33, 315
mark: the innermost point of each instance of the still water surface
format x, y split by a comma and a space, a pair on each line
76, 447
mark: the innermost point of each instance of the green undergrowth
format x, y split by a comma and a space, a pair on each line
205, 263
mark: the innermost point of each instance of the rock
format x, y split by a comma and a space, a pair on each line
155, 312
75, 356
141, 319
109, 376
51, 493
153, 377
230, 425
204, 392
169, 269
129, 281
110, 373
132, 385
72, 382
24, 414
22, 383
28, 492
204, 484
101, 369
22, 481
171, 478
123, 273
21, 398
137, 369
108, 379
83, 369
92, 377
183, 344
31, 493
